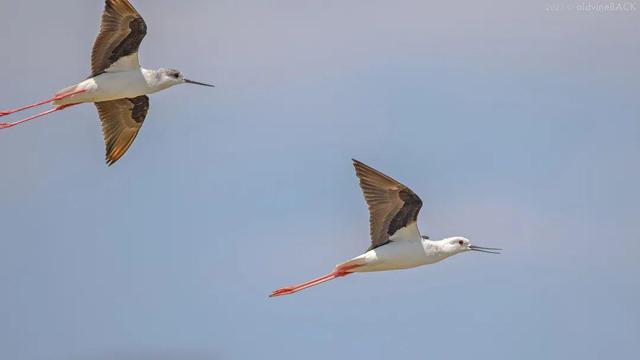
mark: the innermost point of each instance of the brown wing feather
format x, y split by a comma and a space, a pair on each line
121, 33
392, 206
121, 122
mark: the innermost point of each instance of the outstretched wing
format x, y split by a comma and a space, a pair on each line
121, 121
393, 207
117, 44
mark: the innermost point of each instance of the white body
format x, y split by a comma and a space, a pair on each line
404, 254
406, 249
116, 85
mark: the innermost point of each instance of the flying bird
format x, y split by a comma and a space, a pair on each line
396, 242
118, 85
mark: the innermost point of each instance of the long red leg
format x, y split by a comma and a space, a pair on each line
57, 108
55, 98
344, 271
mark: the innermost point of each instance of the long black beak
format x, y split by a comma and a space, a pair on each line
485, 249
197, 83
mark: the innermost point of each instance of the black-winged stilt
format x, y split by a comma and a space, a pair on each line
118, 84
396, 242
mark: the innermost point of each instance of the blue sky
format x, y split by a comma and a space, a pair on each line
519, 128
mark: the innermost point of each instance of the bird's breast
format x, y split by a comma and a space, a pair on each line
398, 255
119, 85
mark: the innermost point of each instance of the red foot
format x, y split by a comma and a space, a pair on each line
281, 292
5, 125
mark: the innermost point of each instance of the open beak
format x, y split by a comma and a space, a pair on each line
485, 249
197, 83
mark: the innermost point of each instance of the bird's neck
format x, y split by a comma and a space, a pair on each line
438, 247
154, 80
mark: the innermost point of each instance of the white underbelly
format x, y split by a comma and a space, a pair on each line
398, 255
107, 87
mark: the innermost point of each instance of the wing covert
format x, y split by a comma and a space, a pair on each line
392, 206
117, 44
121, 121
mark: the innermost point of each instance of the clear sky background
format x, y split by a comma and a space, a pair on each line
519, 127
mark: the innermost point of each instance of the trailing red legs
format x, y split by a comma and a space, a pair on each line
55, 98
340, 272
57, 108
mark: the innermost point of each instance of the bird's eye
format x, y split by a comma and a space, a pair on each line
460, 242
176, 75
